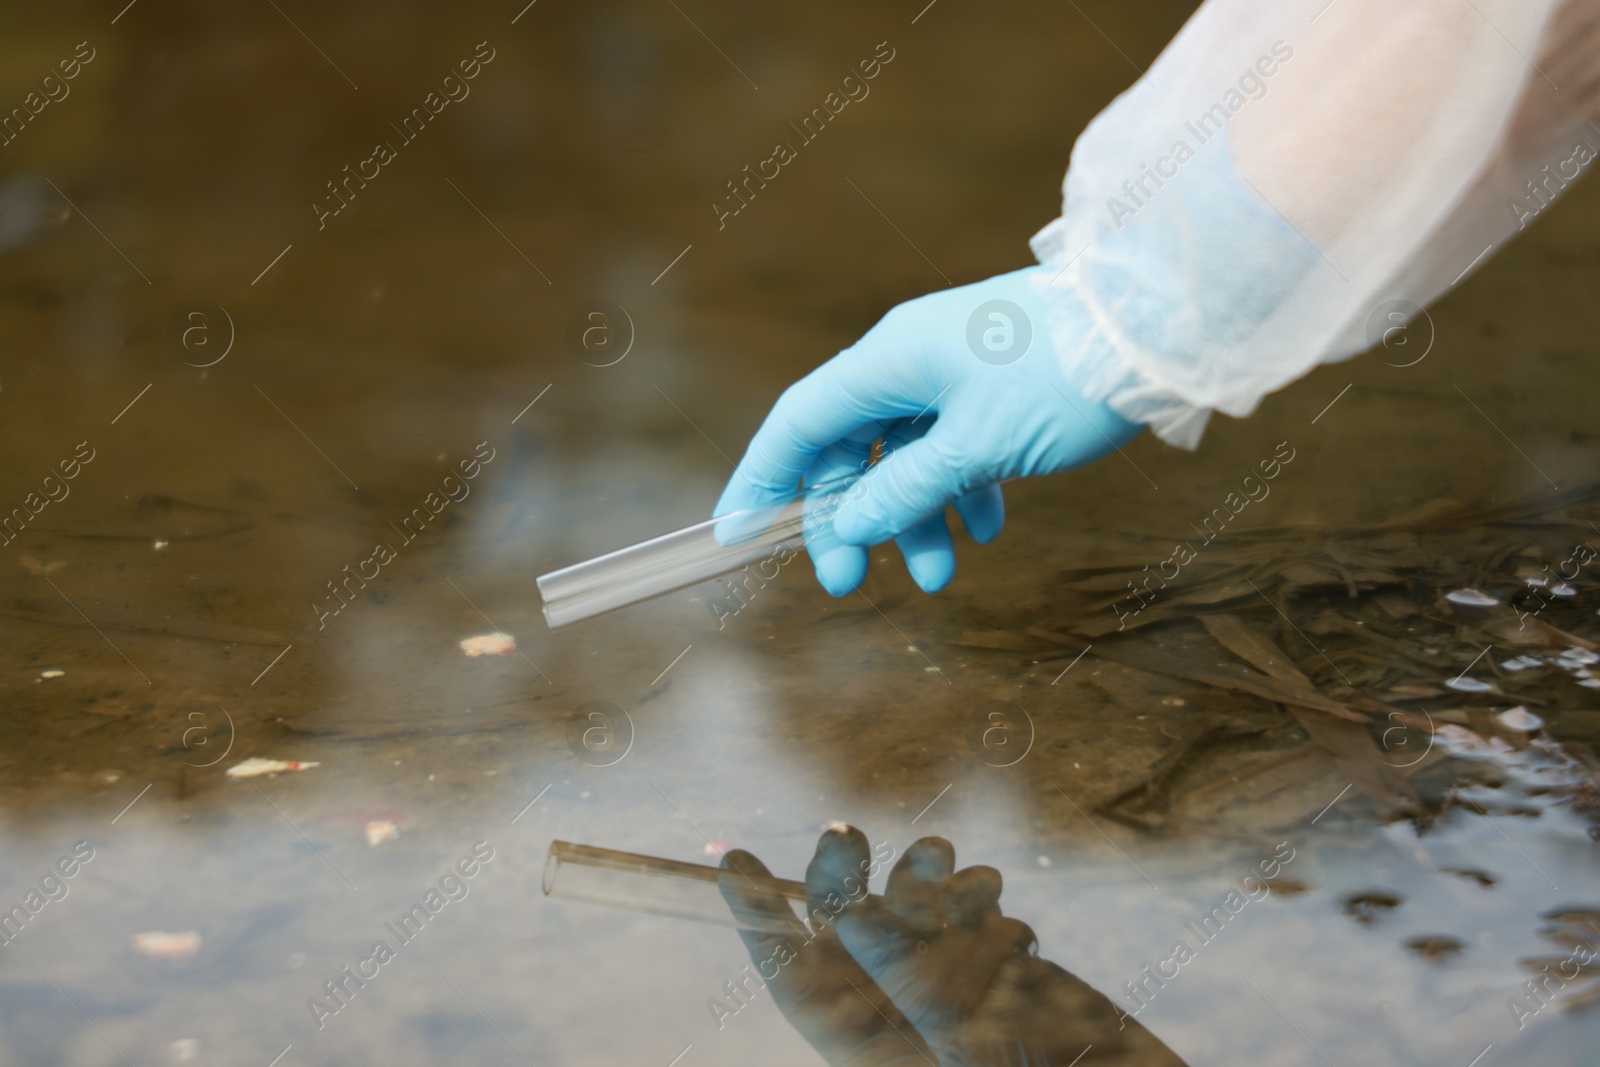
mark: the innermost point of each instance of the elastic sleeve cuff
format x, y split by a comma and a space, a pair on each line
1145, 317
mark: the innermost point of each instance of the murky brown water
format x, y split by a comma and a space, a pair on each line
171, 614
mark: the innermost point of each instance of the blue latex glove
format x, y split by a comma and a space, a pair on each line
954, 426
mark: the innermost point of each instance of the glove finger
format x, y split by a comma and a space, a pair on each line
863, 384
843, 470
836, 876
910, 485
840, 567
916, 889
764, 915
927, 860
927, 549
974, 893
983, 513
929, 553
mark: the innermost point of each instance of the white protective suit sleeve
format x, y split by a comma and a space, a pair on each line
1289, 173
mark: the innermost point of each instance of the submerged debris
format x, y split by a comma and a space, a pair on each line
1574, 658
1483, 878
495, 644
1378, 649
1367, 907
255, 767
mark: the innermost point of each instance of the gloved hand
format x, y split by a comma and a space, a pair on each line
963, 395
930, 973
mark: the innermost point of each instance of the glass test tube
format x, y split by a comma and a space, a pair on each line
669, 562
676, 560
664, 887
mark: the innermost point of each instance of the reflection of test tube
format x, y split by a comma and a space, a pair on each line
665, 887
673, 561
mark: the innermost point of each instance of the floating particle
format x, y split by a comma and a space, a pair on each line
1521, 663
52, 673
1519, 719
1435, 946
1471, 598
718, 847
161, 945
33, 566
1043, 861
1173, 702
381, 830
1470, 685
159, 544
184, 1050
255, 766
1564, 590
495, 644
1288, 887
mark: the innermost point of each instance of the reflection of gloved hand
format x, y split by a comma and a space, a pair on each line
948, 972
824, 994
954, 426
